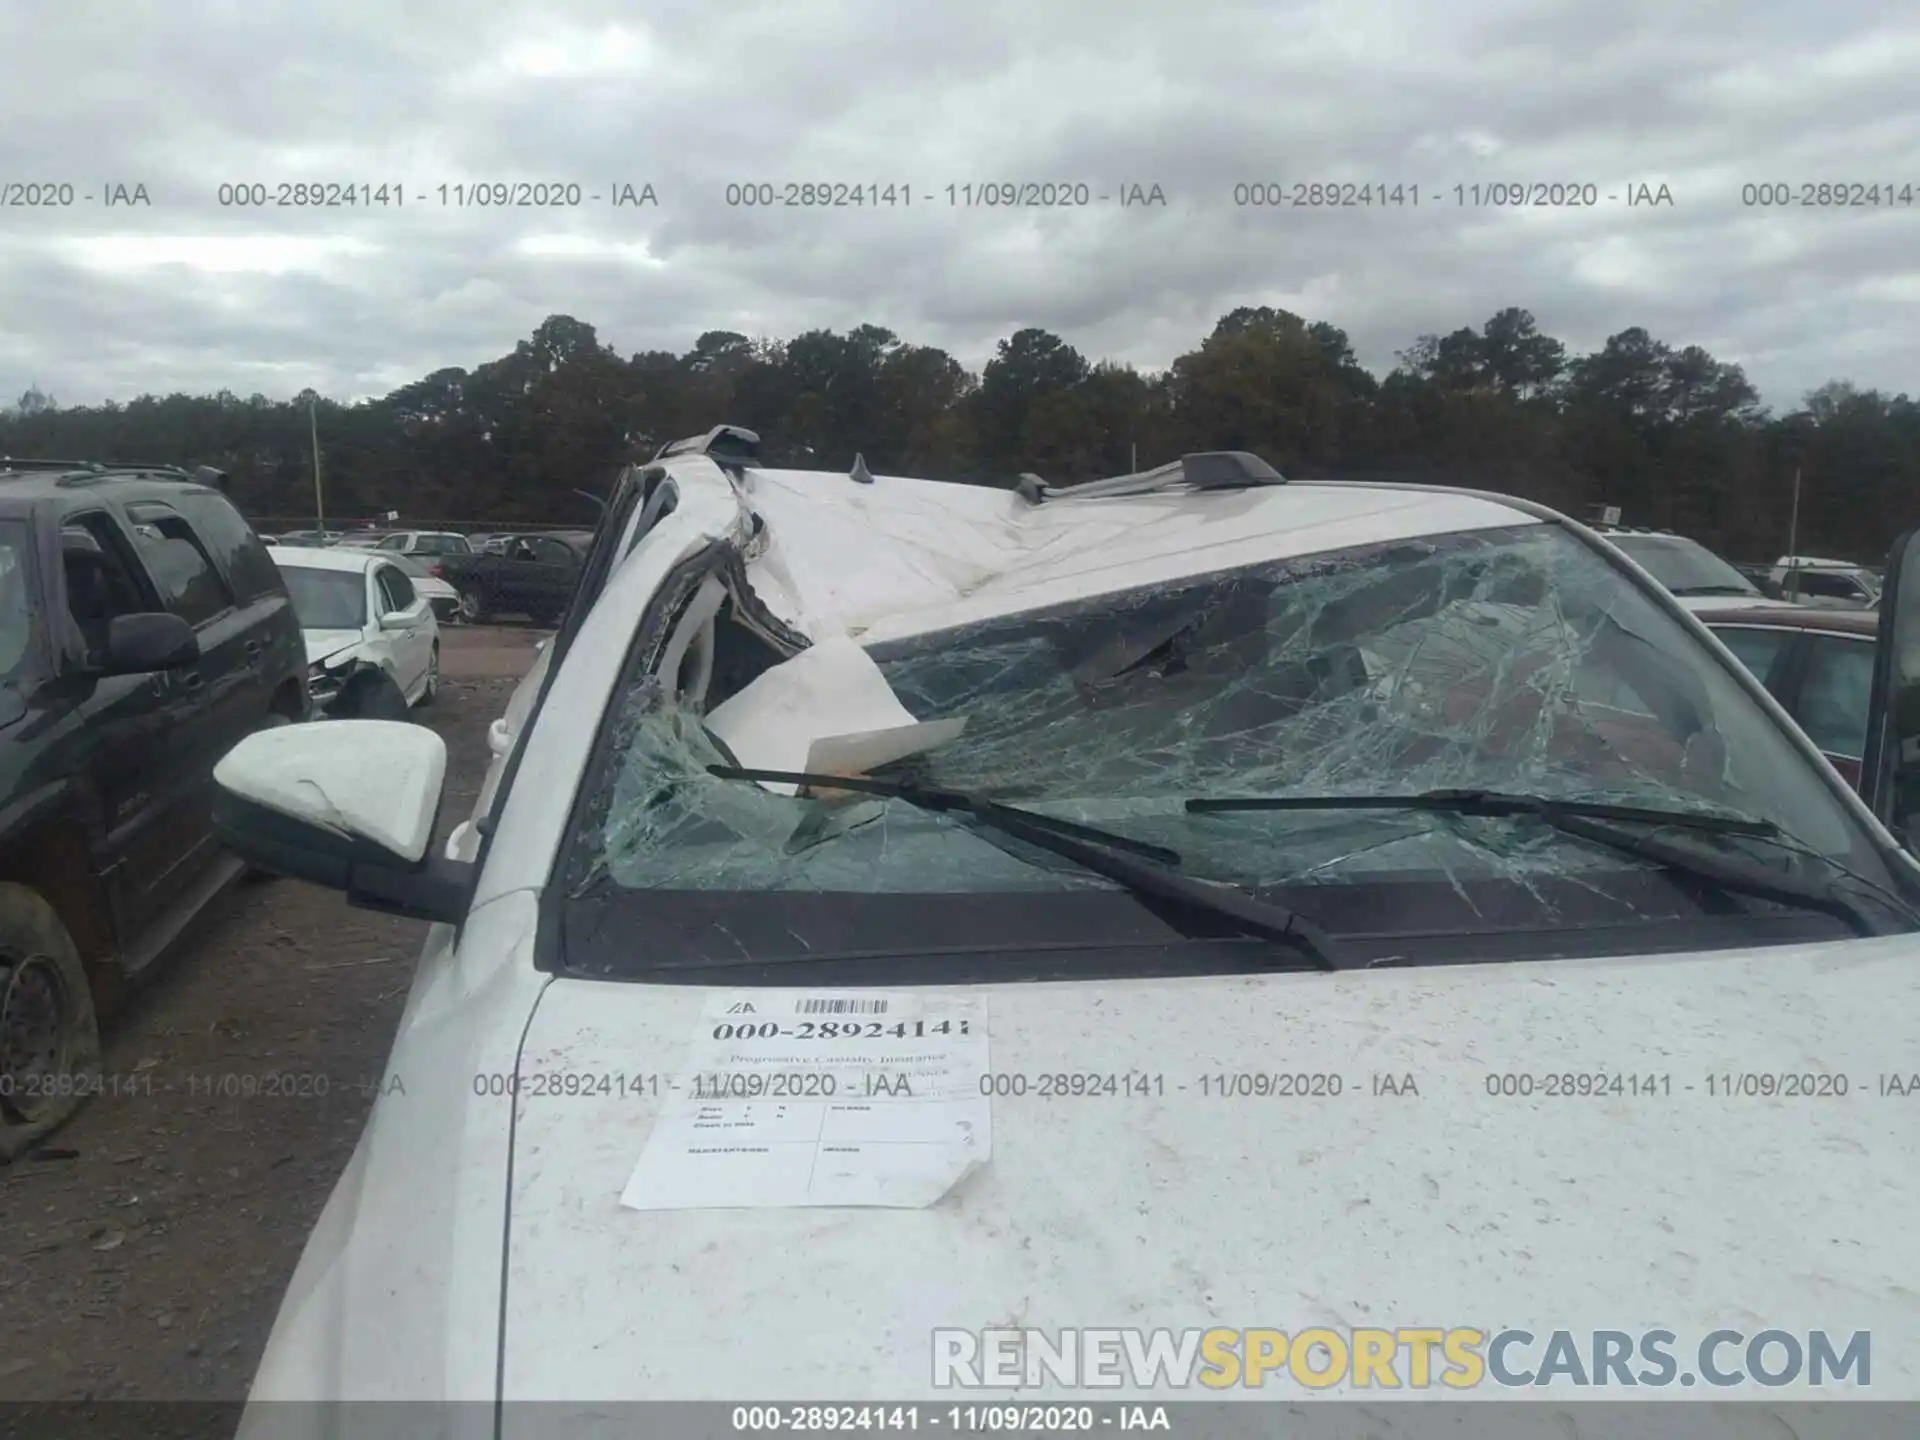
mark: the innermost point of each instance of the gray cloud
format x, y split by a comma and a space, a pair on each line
189, 294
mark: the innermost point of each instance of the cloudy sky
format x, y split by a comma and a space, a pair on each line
105, 301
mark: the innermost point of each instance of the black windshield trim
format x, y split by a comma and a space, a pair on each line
611, 933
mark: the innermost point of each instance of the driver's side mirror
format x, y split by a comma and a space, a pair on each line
1890, 770
349, 804
395, 620
143, 643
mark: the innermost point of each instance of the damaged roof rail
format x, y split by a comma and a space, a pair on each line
724, 444
1202, 470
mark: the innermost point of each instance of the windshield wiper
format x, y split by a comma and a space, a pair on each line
1100, 851
932, 797
1490, 803
1712, 590
1589, 820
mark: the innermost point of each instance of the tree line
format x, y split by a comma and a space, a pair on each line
1673, 437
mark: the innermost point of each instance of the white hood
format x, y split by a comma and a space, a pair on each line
1686, 1211
323, 643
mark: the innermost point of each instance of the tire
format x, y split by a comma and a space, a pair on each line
473, 606
432, 686
49, 1037
372, 695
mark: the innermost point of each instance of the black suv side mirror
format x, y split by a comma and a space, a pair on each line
1890, 770
141, 644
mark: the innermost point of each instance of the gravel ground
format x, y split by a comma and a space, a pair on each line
144, 1259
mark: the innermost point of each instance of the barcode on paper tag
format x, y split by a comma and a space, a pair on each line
839, 1007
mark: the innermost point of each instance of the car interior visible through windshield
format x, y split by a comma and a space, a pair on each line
327, 599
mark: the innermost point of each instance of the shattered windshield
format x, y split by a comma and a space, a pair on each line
1518, 660
1684, 567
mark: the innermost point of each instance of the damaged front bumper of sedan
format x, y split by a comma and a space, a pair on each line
347, 687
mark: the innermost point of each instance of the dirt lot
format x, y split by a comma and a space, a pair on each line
143, 1255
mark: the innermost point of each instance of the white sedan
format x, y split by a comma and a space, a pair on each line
1195, 901
361, 614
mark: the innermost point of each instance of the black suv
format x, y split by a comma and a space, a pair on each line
144, 631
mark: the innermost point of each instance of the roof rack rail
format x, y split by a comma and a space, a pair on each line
24, 464
93, 474
1202, 470
725, 444
85, 472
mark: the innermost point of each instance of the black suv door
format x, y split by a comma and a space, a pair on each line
127, 737
224, 681
275, 653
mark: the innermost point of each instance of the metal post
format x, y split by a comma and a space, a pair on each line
319, 507
1793, 541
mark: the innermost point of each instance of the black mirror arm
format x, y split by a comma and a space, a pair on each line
438, 889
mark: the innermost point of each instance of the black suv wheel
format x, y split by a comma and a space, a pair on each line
49, 1039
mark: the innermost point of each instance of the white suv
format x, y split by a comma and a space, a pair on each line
1838, 583
1191, 900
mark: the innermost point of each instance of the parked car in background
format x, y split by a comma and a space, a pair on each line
1815, 581
1817, 662
1171, 774
143, 633
488, 542
426, 542
1762, 578
364, 623
532, 575
423, 571
1691, 573
310, 537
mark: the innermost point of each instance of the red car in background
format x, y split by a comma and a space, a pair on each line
1817, 663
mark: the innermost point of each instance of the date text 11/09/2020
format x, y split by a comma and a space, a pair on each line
1014, 1419
971, 195
802, 1084
826, 1084
1567, 194
461, 195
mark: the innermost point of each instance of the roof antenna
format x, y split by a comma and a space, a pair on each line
860, 474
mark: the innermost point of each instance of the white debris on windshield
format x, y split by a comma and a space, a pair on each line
826, 709
1514, 660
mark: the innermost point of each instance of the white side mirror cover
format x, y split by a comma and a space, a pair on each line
375, 780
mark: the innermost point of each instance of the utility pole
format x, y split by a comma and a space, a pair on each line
319, 507
1793, 540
